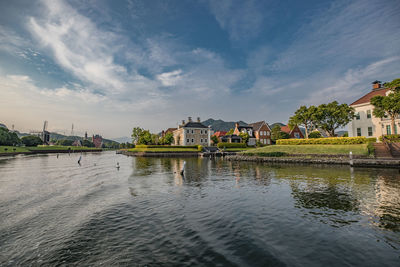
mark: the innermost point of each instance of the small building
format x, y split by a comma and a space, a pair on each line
245, 128
169, 130
364, 122
77, 143
192, 133
262, 132
219, 135
293, 133
97, 140
231, 138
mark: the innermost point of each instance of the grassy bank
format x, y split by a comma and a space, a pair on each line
237, 149
312, 149
10, 149
172, 149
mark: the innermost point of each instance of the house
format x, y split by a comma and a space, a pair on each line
231, 138
97, 140
262, 132
364, 122
169, 130
77, 143
293, 133
245, 128
192, 133
219, 135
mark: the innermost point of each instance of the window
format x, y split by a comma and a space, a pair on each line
265, 141
187, 140
201, 140
395, 129
358, 131
187, 131
268, 142
357, 115
388, 129
297, 135
205, 131
192, 140
369, 131
192, 131
368, 114
268, 133
201, 131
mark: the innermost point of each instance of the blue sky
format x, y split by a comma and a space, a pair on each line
108, 66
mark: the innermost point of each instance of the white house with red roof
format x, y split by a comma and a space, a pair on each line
365, 123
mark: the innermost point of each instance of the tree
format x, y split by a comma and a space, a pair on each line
8, 138
144, 138
31, 140
136, 133
304, 116
388, 105
245, 137
276, 133
154, 139
87, 143
65, 142
230, 132
394, 85
214, 139
168, 138
331, 116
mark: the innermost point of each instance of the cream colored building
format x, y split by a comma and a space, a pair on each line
365, 123
192, 133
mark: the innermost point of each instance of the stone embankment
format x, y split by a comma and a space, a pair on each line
160, 154
356, 162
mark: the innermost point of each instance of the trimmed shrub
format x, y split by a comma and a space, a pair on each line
391, 137
315, 134
324, 141
231, 145
163, 146
371, 148
371, 139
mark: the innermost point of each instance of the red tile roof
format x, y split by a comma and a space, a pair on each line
285, 129
367, 98
220, 133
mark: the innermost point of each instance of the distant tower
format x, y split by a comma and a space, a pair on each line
72, 130
85, 135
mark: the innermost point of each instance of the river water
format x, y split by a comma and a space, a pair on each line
55, 212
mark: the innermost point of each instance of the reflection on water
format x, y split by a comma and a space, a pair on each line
55, 212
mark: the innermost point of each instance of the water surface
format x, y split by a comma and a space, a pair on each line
55, 212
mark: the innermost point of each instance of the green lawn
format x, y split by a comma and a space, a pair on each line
312, 149
237, 149
10, 149
172, 149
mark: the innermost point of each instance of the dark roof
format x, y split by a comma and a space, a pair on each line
170, 130
257, 125
192, 124
367, 98
232, 136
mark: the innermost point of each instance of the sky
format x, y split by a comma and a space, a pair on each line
108, 66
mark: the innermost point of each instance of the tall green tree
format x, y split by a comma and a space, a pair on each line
136, 133
230, 132
214, 139
304, 116
168, 138
388, 105
31, 140
8, 138
145, 138
276, 133
332, 116
245, 137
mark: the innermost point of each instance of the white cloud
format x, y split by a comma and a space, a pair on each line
170, 78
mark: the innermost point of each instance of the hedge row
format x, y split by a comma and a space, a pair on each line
231, 145
391, 137
163, 146
327, 141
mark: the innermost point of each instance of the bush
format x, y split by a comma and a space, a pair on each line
231, 145
391, 137
324, 141
31, 140
315, 134
163, 146
371, 148
371, 139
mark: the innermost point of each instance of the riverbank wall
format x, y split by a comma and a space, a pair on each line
356, 162
49, 152
161, 154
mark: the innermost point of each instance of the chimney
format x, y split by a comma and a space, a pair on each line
190, 119
198, 119
237, 125
183, 122
376, 85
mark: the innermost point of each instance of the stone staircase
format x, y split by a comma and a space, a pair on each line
381, 151
395, 149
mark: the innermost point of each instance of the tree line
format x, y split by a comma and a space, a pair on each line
145, 137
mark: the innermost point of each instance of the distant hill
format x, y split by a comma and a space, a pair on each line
123, 139
220, 125
276, 123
